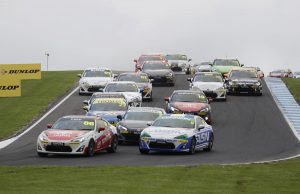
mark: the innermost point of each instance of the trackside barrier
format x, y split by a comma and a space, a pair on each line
286, 103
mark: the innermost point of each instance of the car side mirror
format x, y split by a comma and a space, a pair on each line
200, 127
209, 100
101, 90
79, 75
101, 129
115, 75
242, 65
225, 74
86, 108
86, 102
190, 79
149, 123
49, 126
119, 117
189, 60
167, 99
151, 80
135, 60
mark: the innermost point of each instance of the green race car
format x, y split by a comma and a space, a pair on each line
225, 65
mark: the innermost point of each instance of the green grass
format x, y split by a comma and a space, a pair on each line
294, 86
16, 112
280, 177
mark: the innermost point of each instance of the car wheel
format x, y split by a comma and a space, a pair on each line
90, 149
192, 148
210, 144
113, 145
42, 154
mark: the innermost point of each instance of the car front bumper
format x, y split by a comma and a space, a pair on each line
55, 147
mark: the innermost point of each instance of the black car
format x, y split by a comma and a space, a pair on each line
243, 81
159, 72
135, 121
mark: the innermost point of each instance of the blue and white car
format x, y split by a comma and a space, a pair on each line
177, 133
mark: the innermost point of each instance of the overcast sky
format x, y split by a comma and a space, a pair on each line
111, 33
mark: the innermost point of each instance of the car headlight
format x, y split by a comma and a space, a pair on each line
258, 83
78, 140
145, 135
169, 75
173, 109
43, 137
122, 128
204, 110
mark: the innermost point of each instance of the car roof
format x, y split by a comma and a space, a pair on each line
188, 91
146, 108
213, 72
122, 82
79, 116
108, 94
133, 73
97, 69
179, 115
155, 62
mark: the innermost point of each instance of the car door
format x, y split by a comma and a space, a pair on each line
202, 134
102, 137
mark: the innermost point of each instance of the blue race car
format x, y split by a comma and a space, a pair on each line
177, 133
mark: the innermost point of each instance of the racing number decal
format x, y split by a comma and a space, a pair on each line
202, 137
90, 123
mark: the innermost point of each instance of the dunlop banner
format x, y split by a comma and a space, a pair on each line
20, 71
10, 88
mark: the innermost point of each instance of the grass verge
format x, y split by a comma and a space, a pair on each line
280, 177
294, 87
17, 112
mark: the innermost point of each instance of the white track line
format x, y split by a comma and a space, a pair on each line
5, 143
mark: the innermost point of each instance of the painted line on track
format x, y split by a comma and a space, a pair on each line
5, 143
286, 102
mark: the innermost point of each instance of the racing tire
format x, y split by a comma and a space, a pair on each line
142, 151
113, 145
90, 149
42, 154
210, 144
192, 148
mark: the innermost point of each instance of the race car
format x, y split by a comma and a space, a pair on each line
243, 81
142, 80
84, 135
223, 66
189, 102
135, 121
281, 73
296, 74
257, 70
159, 72
177, 133
130, 90
150, 57
94, 79
107, 108
202, 67
211, 83
179, 62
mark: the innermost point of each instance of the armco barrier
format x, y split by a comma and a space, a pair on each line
286, 103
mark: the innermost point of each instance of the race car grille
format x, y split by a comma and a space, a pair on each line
95, 88
161, 145
58, 148
210, 94
176, 68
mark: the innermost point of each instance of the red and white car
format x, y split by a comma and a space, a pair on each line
281, 73
78, 135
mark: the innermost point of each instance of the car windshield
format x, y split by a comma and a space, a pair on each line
242, 74
175, 122
150, 58
176, 57
155, 66
208, 78
97, 74
134, 77
74, 124
226, 62
109, 104
279, 71
142, 116
121, 87
189, 97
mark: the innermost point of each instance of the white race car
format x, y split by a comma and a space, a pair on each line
130, 90
211, 83
179, 62
177, 133
94, 79
84, 135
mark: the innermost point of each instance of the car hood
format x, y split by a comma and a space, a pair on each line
64, 135
177, 61
96, 80
130, 96
189, 106
160, 72
224, 69
134, 124
208, 85
167, 132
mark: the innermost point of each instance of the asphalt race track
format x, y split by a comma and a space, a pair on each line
247, 129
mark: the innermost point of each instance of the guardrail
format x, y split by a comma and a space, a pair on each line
286, 103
